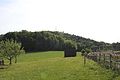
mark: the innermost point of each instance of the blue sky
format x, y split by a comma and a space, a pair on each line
95, 19
5, 2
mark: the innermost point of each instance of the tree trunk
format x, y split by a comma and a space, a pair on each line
16, 59
84, 60
10, 61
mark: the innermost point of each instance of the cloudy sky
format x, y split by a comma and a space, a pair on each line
95, 19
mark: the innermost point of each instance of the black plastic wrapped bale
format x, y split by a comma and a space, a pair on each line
69, 53
1, 62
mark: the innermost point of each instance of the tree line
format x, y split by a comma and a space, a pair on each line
49, 40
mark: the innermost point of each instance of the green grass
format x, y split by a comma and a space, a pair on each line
52, 65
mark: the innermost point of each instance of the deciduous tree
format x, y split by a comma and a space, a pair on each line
10, 49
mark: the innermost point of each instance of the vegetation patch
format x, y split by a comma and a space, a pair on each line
52, 65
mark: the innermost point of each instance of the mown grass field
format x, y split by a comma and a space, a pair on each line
52, 65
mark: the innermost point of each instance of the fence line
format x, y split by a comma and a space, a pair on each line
108, 59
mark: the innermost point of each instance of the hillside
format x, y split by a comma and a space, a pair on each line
55, 41
52, 65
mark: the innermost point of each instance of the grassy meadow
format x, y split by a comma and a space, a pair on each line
52, 65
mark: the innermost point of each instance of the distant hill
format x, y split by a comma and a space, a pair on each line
84, 42
49, 40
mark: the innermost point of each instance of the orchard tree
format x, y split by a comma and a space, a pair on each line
10, 49
88, 50
85, 52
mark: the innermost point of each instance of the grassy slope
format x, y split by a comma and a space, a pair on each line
53, 66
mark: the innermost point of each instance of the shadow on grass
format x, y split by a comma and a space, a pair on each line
4, 66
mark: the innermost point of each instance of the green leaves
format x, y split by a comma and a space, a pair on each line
86, 51
70, 45
82, 51
49, 40
10, 49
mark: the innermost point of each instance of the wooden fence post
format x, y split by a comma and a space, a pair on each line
110, 61
117, 63
104, 58
96, 57
99, 57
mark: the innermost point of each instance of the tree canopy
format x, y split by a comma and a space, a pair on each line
70, 45
10, 49
49, 40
